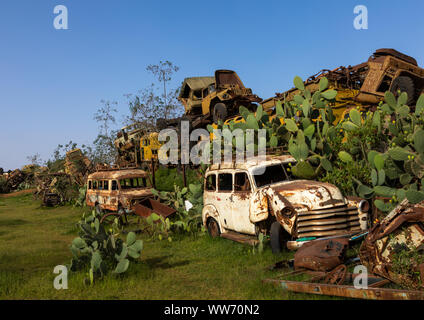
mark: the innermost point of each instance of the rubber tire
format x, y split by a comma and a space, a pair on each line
209, 225
404, 84
219, 112
276, 235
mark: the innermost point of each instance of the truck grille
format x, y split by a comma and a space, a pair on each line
328, 222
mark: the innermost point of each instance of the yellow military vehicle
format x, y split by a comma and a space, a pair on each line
364, 85
127, 143
209, 99
149, 146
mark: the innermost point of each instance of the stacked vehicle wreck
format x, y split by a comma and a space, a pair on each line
364, 85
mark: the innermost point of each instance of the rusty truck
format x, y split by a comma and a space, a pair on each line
242, 200
116, 193
210, 99
365, 84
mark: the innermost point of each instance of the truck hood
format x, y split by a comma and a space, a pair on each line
306, 195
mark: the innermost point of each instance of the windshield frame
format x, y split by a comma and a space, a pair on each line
282, 164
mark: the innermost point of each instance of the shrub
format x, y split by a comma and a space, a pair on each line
102, 250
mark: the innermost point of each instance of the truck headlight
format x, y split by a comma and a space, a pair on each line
364, 206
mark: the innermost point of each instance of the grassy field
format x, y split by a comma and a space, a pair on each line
33, 240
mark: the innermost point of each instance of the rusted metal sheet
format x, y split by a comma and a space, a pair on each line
148, 206
241, 238
348, 291
321, 255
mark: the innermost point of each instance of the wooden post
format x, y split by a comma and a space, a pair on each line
153, 174
184, 176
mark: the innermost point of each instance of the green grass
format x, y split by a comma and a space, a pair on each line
34, 240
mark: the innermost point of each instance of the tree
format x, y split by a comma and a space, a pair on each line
163, 72
104, 149
35, 160
149, 105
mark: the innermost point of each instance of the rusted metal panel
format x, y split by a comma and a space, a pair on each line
321, 255
148, 206
241, 238
347, 291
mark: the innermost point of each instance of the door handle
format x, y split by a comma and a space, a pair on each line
231, 198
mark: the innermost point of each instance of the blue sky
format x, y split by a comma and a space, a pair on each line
52, 81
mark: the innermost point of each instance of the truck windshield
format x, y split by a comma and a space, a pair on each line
273, 174
133, 183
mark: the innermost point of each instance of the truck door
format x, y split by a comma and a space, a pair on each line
223, 198
240, 204
103, 194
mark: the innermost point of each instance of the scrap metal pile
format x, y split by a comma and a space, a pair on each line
207, 99
55, 188
20, 179
364, 85
392, 253
52, 188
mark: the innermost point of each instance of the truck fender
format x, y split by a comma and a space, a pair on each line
282, 209
210, 211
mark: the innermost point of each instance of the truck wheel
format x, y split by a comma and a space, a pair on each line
213, 228
404, 84
219, 112
276, 235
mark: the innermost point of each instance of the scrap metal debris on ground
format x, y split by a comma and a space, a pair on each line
52, 188
392, 252
324, 255
394, 247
